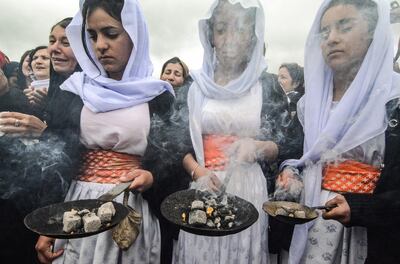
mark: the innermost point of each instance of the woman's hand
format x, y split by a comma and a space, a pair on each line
288, 186
341, 213
142, 179
267, 150
36, 96
39, 96
44, 250
21, 125
205, 176
29, 92
243, 151
201, 175
284, 178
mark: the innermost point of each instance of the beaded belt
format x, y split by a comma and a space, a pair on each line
104, 166
214, 150
350, 176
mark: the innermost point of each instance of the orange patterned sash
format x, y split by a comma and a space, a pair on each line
350, 176
104, 166
214, 151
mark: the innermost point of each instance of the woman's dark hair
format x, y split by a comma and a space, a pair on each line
111, 7
297, 74
33, 53
63, 23
21, 78
10, 68
367, 8
176, 60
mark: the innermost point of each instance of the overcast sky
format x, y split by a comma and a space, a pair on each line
172, 24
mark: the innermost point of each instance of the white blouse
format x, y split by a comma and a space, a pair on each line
123, 130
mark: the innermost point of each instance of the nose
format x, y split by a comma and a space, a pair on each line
39, 60
101, 43
171, 77
333, 37
54, 48
230, 36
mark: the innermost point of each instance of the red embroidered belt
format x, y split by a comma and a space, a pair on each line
214, 150
350, 176
104, 166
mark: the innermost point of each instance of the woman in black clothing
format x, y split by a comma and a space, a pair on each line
36, 161
291, 79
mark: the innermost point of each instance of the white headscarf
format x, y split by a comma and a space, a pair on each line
204, 85
100, 93
359, 116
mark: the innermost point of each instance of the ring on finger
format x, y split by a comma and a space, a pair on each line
17, 123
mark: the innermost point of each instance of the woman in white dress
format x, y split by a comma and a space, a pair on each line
120, 97
344, 113
231, 104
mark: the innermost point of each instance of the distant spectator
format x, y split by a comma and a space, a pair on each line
40, 65
24, 71
175, 72
291, 79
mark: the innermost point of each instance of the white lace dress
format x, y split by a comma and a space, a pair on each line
239, 117
125, 131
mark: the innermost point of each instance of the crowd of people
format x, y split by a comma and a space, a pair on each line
84, 113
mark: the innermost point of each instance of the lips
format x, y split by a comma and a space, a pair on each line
54, 59
40, 68
334, 52
105, 59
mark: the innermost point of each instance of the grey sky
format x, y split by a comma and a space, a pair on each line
25, 24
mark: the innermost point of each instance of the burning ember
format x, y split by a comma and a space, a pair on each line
213, 212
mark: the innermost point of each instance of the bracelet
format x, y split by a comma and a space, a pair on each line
194, 170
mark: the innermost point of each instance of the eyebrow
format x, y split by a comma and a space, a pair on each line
341, 22
104, 28
345, 21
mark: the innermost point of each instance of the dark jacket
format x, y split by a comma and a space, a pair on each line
35, 175
168, 143
380, 212
39, 174
15, 101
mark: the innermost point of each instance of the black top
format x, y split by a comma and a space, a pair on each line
15, 101
380, 212
38, 174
